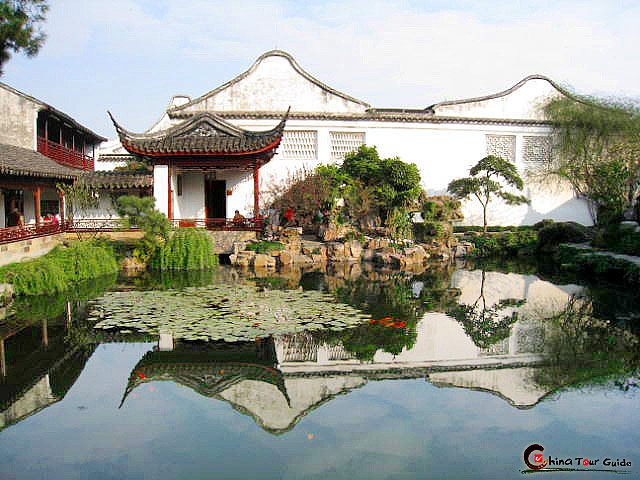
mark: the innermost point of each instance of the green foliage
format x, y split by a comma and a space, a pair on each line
431, 229
606, 267
305, 192
140, 212
399, 224
585, 350
485, 183
60, 269
440, 208
486, 325
597, 151
33, 308
495, 228
554, 234
393, 298
19, 31
187, 249
396, 183
371, 188
504, 244
618, 238
265, 246
80, 197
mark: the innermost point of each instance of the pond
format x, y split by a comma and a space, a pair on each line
445, 372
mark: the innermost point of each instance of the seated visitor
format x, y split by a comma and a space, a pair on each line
238, 219
289, 216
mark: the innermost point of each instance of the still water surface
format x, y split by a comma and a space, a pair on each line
445, 373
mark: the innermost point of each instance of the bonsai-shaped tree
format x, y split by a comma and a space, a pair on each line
484, 183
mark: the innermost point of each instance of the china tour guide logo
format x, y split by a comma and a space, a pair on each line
534, 459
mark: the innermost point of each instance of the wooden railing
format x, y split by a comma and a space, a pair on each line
78, 225
26, 232
32, 230
64, 155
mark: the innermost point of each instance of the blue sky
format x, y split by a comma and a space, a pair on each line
131, 56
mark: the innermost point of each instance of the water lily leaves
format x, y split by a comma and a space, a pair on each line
237, 312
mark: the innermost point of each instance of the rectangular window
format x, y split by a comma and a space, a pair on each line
179, 184
299, 145
344, 142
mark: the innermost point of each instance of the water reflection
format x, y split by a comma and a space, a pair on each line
38, 366
512, 335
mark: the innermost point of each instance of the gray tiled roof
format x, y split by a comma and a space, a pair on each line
118, 179
202, 134
22, 161
373, 115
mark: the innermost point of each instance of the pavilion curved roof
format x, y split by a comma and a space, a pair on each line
205, 134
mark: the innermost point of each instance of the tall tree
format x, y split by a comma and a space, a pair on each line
484, 183
19, 29
597, 150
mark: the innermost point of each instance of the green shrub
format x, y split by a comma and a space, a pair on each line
619, 238
611, 268
495, 228
431, 229
265, 246
542, 223
186, 249
60, 269
551, 236
504, 244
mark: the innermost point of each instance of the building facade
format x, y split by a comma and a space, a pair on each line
444, 140
40, 146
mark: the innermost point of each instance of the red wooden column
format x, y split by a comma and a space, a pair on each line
169, 193
36, 197
256, 191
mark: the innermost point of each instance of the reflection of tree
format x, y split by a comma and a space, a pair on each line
485, 325
393, 297
30, 308
585, 350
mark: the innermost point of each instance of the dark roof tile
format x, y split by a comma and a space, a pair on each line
22, 161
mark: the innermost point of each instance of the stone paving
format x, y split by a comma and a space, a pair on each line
621, 256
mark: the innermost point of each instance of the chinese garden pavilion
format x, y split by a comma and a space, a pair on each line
189, 158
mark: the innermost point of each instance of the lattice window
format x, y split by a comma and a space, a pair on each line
299, 145
503, 146
344, 142
536, 149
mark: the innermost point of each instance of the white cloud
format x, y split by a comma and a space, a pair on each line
386, 53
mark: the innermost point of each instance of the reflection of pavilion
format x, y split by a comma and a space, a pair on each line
283, 378
38, 368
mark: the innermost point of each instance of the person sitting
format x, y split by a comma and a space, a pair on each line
239, 219
289, 216
15, 218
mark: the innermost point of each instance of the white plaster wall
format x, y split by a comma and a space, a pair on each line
160, 182
105, 209
29, 207
191, 203
523, 103
274, 85
241, 185
442, 153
